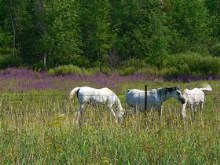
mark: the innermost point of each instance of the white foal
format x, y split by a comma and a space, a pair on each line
103, 96
193, 98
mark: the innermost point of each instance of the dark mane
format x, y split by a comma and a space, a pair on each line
168, 90
171, 89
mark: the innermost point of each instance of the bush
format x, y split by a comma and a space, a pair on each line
131, 66
128, 71
148, 70
71, 69
9, 61
136, 63
191, 64
215, 50
66, 69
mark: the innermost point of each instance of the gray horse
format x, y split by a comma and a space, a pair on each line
155, 98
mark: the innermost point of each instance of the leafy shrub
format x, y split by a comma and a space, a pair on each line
136, 63
130, 66
148, 70
215, 50
66, 69
38, 66
106, 70
192, 64
91, 71
72, 69
128, 71
9, 61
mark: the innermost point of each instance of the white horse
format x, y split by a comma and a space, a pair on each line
103, 96
193, 98
155, 98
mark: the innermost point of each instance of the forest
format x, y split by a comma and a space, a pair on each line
180, 36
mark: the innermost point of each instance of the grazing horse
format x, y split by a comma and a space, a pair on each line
193, 98
103, 96
155, 98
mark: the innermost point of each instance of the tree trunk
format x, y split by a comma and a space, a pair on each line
13, 28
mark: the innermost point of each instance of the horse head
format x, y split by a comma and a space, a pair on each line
176, 93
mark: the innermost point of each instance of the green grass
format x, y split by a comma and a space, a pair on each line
32, 131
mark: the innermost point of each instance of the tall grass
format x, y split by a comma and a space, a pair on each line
40, 129
37, 124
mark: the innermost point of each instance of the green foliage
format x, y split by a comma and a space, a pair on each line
9, 61
215, 50
128, 71
192, 64
141, 30
190, 25
95, 31
214, 8
148, 70
66, 69
131, 66
62, 41
102, 34
5, 39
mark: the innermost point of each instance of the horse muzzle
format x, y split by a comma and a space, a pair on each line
182, 100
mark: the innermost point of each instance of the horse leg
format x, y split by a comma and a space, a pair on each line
135, 109
80, 114
160, 112
201, 110
193, 112
201, 107
183, 111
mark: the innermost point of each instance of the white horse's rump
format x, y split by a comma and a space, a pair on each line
136, 98
193, 98
103, 96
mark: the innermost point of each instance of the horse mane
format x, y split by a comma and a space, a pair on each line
164, 91
169, 89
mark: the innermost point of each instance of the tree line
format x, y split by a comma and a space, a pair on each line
99, 33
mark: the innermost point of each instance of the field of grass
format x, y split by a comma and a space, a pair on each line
37, 125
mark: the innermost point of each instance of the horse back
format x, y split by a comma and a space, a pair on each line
137, 97
194, 96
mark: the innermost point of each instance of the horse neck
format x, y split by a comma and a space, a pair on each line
164, 95
118, 103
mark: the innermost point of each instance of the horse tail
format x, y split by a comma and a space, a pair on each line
73, 92
127, 97
207, 87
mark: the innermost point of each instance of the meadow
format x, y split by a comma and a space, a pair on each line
37, 123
